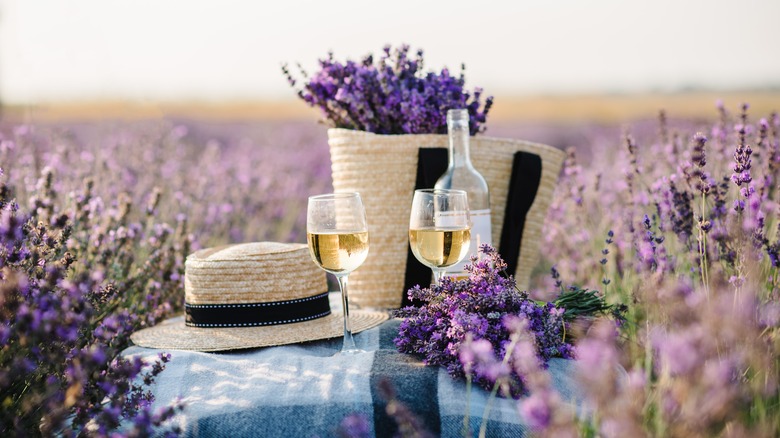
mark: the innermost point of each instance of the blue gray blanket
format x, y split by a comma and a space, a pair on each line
304, 391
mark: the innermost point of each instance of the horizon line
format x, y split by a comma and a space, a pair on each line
541, 107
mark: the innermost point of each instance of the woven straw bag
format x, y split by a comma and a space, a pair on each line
383, 168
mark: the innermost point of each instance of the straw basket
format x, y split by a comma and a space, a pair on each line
383, 168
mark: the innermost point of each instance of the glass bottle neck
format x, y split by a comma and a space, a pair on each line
459, 145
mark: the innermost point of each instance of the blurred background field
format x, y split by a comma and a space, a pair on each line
241, 171
563, 109
563, 120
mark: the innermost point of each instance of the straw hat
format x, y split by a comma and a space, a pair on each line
253, 295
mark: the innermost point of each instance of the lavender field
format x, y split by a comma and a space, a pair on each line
677, 219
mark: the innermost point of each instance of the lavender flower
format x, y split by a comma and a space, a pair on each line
649, 248
699, 156
409, 425
535, 409
681, 213
355, 426
702, 185
542, 409
742, 161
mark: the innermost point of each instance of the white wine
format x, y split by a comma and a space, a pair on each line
439, 248
462, 175
338, 252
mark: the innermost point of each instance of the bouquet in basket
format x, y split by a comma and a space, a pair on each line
389, 95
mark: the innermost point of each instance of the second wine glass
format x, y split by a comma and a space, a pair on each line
439, 228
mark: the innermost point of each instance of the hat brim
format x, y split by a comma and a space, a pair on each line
173, 334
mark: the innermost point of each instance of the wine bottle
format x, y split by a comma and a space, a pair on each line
461, 175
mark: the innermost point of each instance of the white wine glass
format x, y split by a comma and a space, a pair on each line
337, 234
439, 228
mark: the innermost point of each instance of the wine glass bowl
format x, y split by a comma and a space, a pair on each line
439, 228
337, 235
440, 248
338, 252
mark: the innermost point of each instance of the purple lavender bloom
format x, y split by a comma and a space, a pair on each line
769, 315
355, 426
742, 154
486, 364
681, 213
699, 155
535, 410
677, 352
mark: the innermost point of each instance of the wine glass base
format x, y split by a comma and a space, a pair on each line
351, 352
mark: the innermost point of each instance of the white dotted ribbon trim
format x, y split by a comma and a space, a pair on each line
269, 304
256, 324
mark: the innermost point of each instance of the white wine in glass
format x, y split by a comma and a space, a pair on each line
337, 235
440, 247
338, 252
439, 228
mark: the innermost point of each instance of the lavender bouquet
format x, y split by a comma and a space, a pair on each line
391, 95
481, 307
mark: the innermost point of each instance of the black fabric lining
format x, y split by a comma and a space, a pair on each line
431, 164
523, 185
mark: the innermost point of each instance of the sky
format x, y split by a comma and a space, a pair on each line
185, 50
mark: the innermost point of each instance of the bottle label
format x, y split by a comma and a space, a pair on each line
480, 235
449, 219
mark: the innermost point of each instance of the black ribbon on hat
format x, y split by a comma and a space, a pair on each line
257, 314
523, 185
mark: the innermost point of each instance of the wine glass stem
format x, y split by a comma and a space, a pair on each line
349, 342
437, 273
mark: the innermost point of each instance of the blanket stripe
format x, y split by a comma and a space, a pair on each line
415, 386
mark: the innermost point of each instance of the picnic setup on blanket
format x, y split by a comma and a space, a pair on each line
295, 385
431, 234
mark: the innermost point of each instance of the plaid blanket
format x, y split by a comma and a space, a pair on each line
304, 391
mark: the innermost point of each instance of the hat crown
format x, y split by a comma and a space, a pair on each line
258, 272
243, 251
